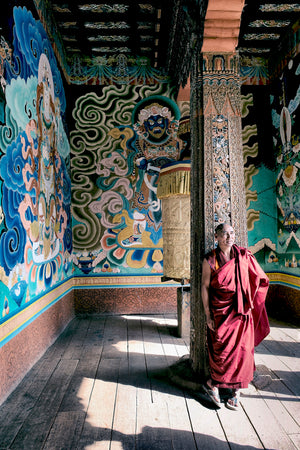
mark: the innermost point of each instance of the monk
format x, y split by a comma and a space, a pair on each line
233, 290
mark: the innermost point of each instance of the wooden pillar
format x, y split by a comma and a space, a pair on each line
225, 199
217, 174
184, 312
198, 323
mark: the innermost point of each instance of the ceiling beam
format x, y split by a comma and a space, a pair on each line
222, 25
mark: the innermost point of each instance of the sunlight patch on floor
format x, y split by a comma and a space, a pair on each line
169, 321
155, 348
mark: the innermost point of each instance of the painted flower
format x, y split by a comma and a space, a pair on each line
289, 175
296, 148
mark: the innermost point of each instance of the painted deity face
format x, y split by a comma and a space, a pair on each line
156, 126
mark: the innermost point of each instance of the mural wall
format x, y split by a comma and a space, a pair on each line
35, 187
271, 158
259, 169
122, 136
285, 104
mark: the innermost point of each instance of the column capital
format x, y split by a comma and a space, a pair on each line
221, 63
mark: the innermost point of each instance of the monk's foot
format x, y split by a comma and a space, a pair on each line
234, 401
212, 392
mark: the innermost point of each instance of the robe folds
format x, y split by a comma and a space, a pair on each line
237, 295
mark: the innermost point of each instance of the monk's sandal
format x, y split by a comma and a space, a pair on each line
234, 401
213, 393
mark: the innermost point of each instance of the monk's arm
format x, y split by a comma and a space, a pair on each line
205, 282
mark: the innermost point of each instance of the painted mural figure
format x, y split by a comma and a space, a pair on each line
47, 243
138, 227
233, 292
34, 245
288, 190
125, 212
156, 122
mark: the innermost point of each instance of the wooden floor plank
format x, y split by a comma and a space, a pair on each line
104, 384
283, 405
163, 394
115, 338
288, 329
136, 354
66, 431
208, 432
59, 347
172, 348
99, 418
181, 345
278, 395
238, 428
34, 431
290, 378
295, 438
286, 352
124, 421
78, 394
280, 334
153, 428
266, 425
97, 429
75, 345
22, 401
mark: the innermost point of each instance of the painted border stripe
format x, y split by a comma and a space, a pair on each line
21, 320
285, 279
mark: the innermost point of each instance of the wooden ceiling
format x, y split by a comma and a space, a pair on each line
264, 25
102, 29
97, 30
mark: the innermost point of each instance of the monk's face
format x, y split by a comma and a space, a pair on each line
225, 237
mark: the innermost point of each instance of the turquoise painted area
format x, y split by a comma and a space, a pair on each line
35, 199
266, 226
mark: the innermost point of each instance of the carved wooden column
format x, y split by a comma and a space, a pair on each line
224, 168
198, 323
217, 174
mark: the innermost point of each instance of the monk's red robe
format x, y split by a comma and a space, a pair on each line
237, 301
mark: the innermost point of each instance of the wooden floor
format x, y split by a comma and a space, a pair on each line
104, 385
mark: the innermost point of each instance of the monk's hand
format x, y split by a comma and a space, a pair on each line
210, 323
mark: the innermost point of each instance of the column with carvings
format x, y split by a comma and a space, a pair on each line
217, 174
198, 323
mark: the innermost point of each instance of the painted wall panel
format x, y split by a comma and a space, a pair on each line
271, 144
35, 186
285, 104
121, 138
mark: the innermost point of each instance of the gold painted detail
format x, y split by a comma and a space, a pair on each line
176, 236
116, 281
277, 277
174, 182
11, 326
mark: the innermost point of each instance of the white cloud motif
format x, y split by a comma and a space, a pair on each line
20, 98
